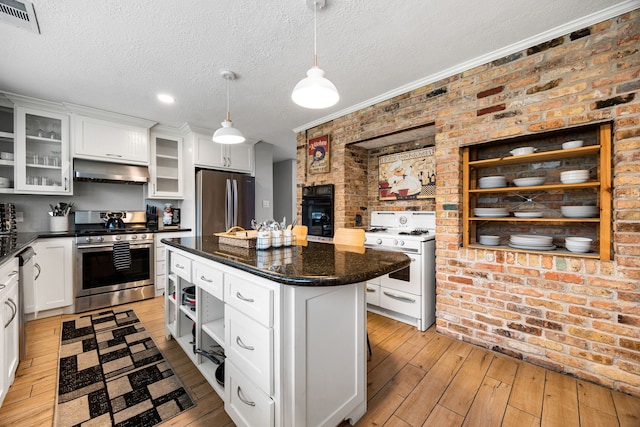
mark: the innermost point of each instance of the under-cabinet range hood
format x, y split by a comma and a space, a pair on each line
90, 170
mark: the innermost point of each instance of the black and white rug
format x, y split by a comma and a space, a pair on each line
111, 373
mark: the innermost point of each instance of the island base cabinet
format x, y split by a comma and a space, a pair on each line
245, 403
325, 355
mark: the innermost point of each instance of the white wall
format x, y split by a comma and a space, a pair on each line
284, 195
264, 181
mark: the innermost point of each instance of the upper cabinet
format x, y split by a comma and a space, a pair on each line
111, 137
235, 157
166, 166
7, 152
533, 192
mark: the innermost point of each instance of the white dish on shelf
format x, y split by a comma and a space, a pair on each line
6, 155
572, 144
499, 215
531, 239
492, 182
523, 151
579, 211
581, 240
489, 240
4, 182
529, 182
533, 248
574, 177
528, 214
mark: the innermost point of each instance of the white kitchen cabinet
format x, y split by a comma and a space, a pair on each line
294, 355
166, 167
236, 157
7, 159
160, 257
42, 158
54, 285
9, 327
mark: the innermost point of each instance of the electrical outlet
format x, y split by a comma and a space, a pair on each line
19, 216
265, 204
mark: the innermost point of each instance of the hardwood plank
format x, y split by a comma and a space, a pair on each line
419, 404
517, 417
389, 367
429, 355
596, 397
591, 417
462, 390
503, 369
528, 389
627, 409
396, 422
443, 417
490, 404
560, 403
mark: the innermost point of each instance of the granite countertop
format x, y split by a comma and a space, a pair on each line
316, 264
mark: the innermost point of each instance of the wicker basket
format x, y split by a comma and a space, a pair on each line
238, 236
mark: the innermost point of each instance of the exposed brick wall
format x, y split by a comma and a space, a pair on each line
575, 315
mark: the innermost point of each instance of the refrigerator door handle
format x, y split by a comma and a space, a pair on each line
227, 206
235, 202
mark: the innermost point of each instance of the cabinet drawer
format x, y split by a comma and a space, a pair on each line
181, 266
244, 402
160, 253
401, 302
250, 347
209, 279
373, 294
254, 300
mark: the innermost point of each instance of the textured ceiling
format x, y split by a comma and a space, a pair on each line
117, 55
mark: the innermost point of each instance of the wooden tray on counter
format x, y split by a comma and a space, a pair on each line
238, 236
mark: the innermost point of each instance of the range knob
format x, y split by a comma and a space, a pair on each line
100, 238
118, 237
89, 239
143, 236
134, 237
401, 242
395, 242
379, 241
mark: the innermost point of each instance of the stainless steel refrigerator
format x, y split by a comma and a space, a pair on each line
223, 200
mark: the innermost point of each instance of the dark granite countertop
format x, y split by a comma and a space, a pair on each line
316, 264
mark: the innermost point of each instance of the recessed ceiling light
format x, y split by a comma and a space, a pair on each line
168, 99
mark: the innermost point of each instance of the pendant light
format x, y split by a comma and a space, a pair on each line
315, 91
227, 134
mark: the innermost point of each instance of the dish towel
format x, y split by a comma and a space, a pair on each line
121, 256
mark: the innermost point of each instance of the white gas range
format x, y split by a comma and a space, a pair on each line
407, 295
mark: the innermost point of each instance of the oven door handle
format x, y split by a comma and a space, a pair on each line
110, 246
399, 298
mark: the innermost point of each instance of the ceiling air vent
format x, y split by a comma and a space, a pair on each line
20, 14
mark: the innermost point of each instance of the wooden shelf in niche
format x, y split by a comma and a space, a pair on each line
491, 158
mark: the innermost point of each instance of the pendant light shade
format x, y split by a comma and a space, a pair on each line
227, 134
315, 91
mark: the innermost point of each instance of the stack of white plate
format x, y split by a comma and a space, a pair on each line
572, 144
528, 214
492, 182
489, 240
578, 244
490, 212
532, 241
579, 211
574, 177
527, 182
522, 151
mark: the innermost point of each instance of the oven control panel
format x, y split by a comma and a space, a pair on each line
113, 238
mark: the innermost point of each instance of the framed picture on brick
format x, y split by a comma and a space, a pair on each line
407, 175
318, 155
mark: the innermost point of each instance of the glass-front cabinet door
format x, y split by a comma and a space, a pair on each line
42, 152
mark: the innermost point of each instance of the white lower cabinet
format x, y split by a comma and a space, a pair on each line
293, 355
9, 327
53, 286
160, 257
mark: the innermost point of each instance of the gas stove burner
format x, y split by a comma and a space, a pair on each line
376, 229
416, 232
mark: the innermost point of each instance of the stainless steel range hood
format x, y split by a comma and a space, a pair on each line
90, 170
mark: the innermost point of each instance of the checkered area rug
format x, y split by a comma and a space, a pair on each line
112, 373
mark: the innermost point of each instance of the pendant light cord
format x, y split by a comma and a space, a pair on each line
228, 109
315, 34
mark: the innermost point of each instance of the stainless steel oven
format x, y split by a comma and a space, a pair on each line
317, 210
113, 266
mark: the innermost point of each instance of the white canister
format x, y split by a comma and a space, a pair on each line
276, 238
58, 223
263, 240
287, 239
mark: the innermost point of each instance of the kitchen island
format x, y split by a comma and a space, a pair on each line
290, 321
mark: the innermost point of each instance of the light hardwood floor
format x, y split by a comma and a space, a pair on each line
414, 379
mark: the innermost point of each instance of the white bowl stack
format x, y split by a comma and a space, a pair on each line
489, 240
578, 244
579, 211
572, 144
490, 212
529, 182
574, 177
528, 214
522, 151
492, 182
531, 241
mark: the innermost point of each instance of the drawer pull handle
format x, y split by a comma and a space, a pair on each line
399, 298
370, 290
239, 295
243, 345
204, 279
180, 266
245, 401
